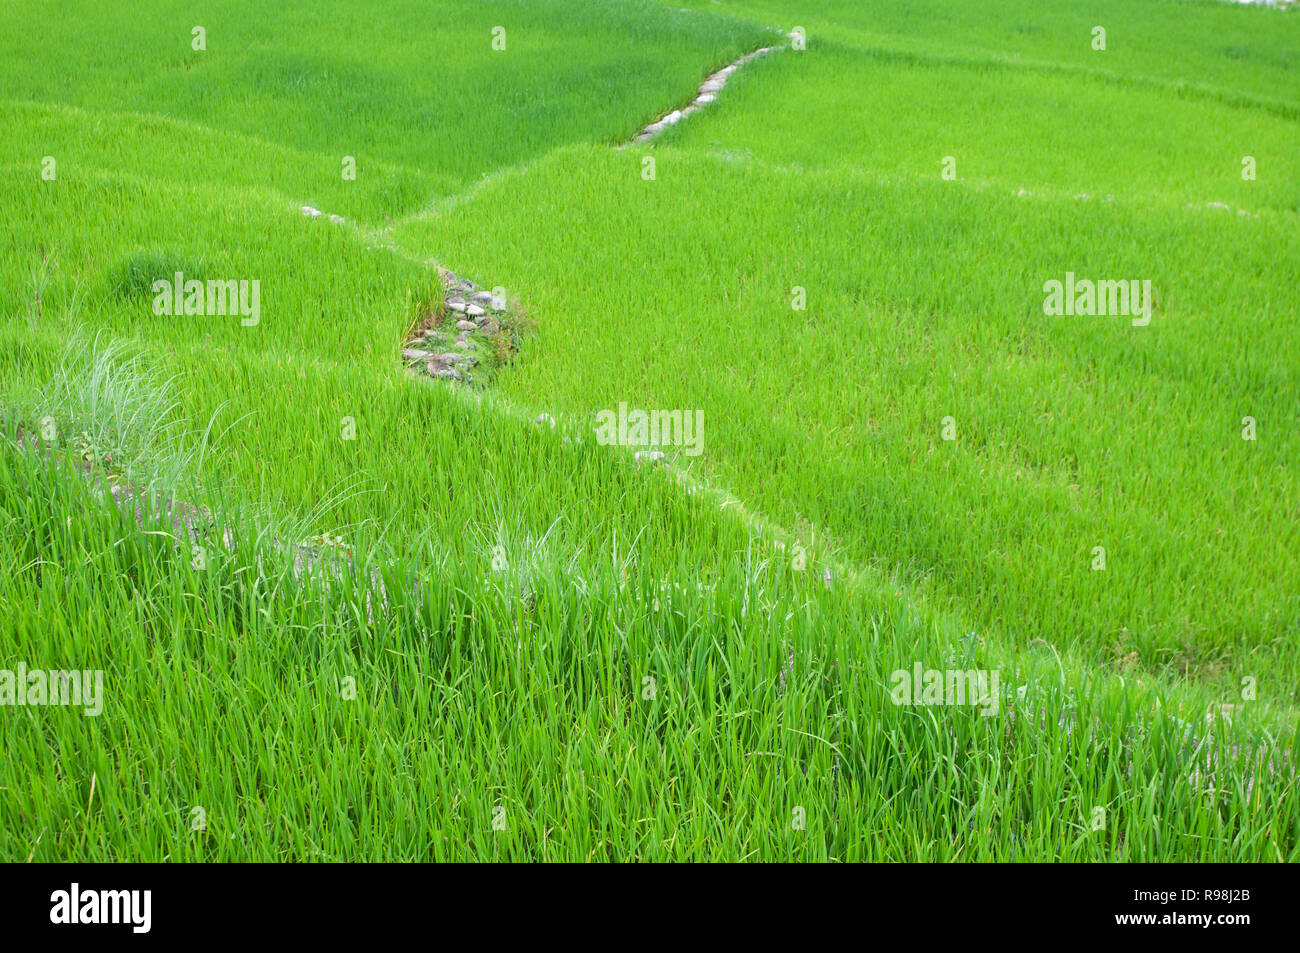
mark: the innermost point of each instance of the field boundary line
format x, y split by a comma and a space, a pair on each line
707, 93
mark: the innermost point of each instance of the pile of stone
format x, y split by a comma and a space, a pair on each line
311, 212
474, 309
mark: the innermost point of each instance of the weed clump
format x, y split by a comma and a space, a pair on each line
134, 275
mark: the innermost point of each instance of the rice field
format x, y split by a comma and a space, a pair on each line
908, 564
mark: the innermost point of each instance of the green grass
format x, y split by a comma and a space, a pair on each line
229, 693
414, 91
1008, 128
1072, 432
1190, 48
512, 587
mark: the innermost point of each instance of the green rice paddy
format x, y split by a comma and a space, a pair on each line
401, 619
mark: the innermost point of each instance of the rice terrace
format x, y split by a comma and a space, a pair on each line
621, 430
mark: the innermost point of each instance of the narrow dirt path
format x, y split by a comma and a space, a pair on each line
708, 92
